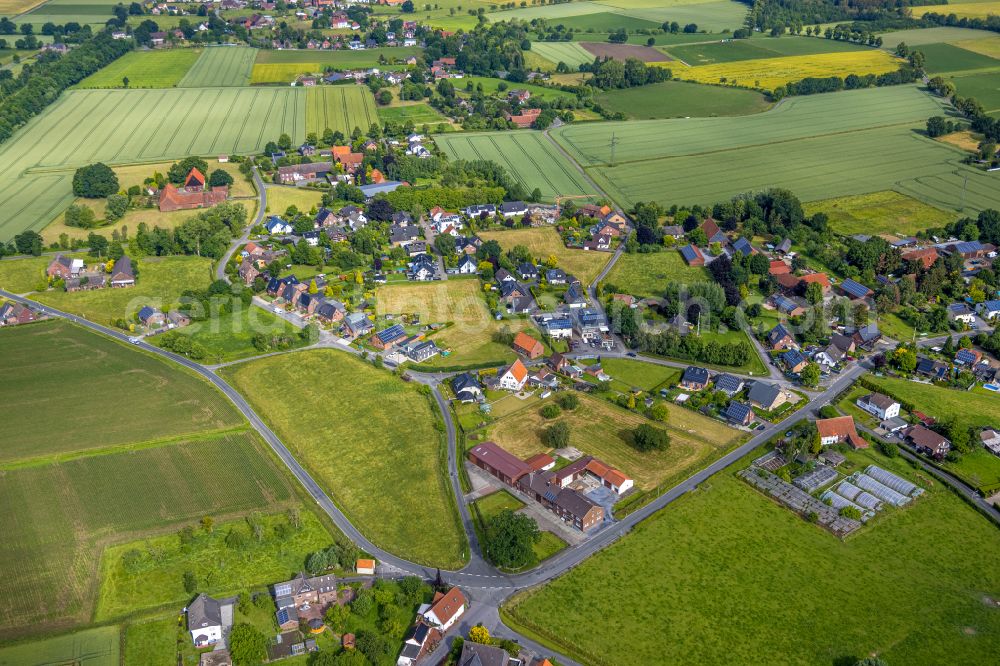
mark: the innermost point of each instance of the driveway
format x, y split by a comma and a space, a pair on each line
226, 608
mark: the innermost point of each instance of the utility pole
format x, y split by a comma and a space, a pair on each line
614, 142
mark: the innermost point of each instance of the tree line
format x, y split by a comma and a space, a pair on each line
41, 84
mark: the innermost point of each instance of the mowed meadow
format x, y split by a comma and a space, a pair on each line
369, 439
109, 445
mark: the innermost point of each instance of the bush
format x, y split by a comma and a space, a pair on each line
647, 438
362, 604
551, 410
829, 412
568, 400
95, 181
850, 512
556, 436
116, 207
888, 449
80, 216
220, 178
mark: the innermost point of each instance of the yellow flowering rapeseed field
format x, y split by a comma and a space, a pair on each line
769, 73
961, 9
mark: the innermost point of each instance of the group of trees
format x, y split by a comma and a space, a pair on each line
39, 85
510, 537
611, 73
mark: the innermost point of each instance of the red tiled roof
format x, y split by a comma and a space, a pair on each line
447, 605
779, 268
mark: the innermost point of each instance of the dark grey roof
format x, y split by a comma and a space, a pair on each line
737, 411
123, 265
842, 342
513, 207
777, 334
763, 393
728, 383
689, 252
203, 612
464, 382
477, 654
694, 374
419, 634
792, 358
869, 333
390, 334
743, 246
574, 503
410, 650
854, 289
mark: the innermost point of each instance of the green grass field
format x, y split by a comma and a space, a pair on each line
921, 36
148, 641
491, 84
738, 555
94, 12
985, 87
972, 408
947, 58
570, 53
636, 374
602, 17
545, 241
64, 377
91, 647
344, 59
680, 99
369, 439
230, 336
72, 509
820, 146
419, 114
603, 22
229, 66
879, 212
128, 586
529, 156
758, 47
144, 69
160, 283
20, 276
647, 275
129, 126
339, 108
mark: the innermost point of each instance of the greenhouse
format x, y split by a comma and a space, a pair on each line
880, 490
890, 480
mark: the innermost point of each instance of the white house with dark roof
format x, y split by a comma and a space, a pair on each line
204, 620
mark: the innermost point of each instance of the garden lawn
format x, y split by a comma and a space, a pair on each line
70, 510
161, 68
67, 378
90, 647
879, 212
160, 283
419, 114
369, 439
145, 582
280, 197
129, 127
490, 505
646, 275
736, 554
151, 642
469, 338
678, 99
229, 337
601, 429
229, 66
20, 276
637, 374
545, 241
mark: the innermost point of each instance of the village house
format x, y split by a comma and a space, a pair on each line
838, 430
739, 413
778, 338
389, 337
928, 442
991, 440
525, 119
304, 173
694, 378
12, 314
989, 310
305, 591
513, 377
466, 387
766, 396
608, 476
365, 567
122, 273
728, 384
204, 621
150, 317
567, 503
794, 361
855, 290
925, 257
526, 345
445, 609
64, 268
879, 405
692, 255
477, 654
962, 313
192, 194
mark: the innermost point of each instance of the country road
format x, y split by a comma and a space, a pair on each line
220, 269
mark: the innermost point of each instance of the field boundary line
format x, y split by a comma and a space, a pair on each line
253, 102
229, 114
528, 157
42, 461
135, 129
170, 113
194, 138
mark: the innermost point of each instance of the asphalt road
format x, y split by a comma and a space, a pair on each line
220, 269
